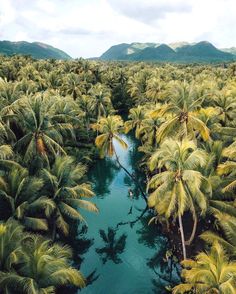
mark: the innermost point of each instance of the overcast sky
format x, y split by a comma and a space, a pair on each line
89, 27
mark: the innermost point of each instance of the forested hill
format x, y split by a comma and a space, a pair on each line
36, 50
176, 52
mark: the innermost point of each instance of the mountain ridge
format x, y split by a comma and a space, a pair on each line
202, 51
37, 50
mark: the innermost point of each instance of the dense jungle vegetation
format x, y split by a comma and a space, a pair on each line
52, 112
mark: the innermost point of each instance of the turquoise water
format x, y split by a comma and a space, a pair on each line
122, 257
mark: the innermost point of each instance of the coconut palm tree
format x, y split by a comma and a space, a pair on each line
137, 86
64, 192
149, 129
86, 105
179, 187
30, 264
225, 102
42, 130
22, 198
101, 100
11, 235
72, 85
228, 168
181, 113
227, 237
210, 272
155, 89
136, 116
110, 127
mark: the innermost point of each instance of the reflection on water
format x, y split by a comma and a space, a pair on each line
102, 175
126, 255
113, 246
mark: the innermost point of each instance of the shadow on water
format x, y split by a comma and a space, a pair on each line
102, 175
113, 246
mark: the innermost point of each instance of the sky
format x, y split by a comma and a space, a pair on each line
87, 28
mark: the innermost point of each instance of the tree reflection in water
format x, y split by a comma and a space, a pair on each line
150, 235
113, 247
80, 244
102, 175
167, 269
163, 263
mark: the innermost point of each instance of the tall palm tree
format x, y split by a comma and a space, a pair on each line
228, 168
110, 127
22, 198
181, 113
47, 267
42, 130
155, 89
64, 192
178, 188
225, 102
86, 105
136, 116
227, 237
72, 85
101, 100
149, 129
210, 272
30, 264
11, 235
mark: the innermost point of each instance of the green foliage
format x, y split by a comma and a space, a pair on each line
52, 112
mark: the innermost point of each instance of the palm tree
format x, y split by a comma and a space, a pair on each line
22, 198
110, 127
155, 90
42, 130
137, 85
86, 105
46, 267
101, 100
227, 226
30, 264
181, 113
8, 92
72, 85
11, 235
136, 116
149, 129
225, 102
179, 187
210, 272
228, 168
64, 192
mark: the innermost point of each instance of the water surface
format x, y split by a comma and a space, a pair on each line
124, 254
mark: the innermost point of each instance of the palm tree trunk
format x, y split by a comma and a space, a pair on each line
182, 235
195, 219
131, 176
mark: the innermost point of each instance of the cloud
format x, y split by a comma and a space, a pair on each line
89, 27
150, 11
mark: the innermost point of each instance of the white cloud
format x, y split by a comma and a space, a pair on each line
89, 27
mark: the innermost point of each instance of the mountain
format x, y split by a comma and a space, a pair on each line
175, 52
161, 52
36, 50
120, 51
202, 52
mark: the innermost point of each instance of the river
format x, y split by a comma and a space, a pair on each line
122, 258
